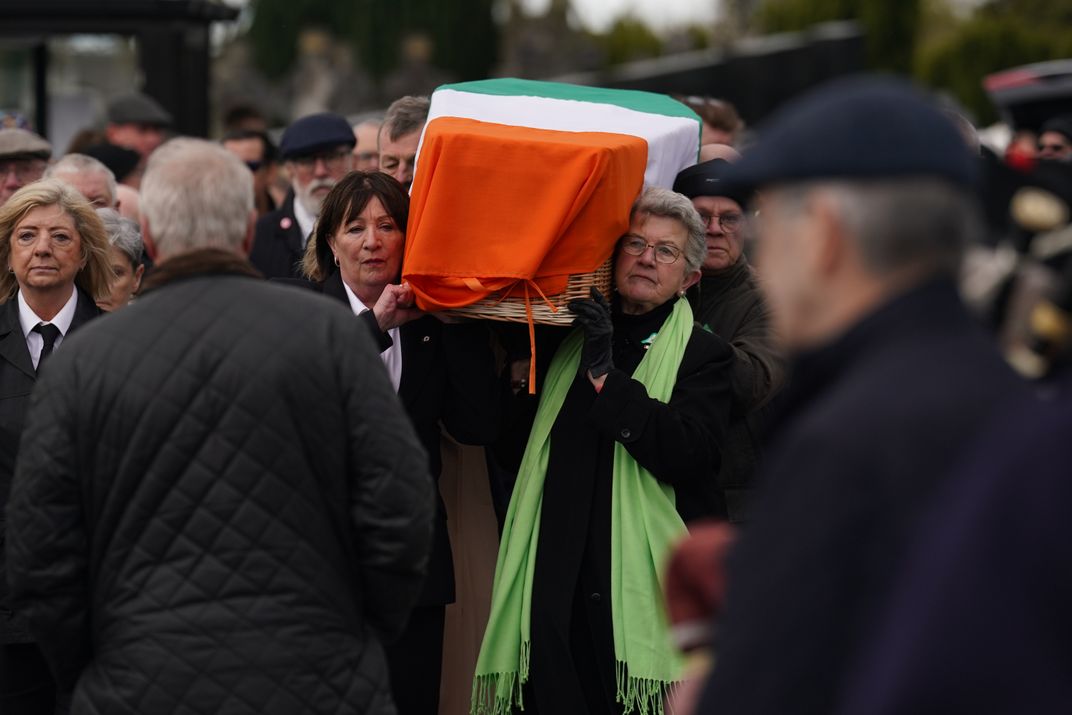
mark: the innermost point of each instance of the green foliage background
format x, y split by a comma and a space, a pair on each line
943, 49
463, 32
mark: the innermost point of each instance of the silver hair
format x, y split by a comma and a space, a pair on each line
917, 223
405, 116
195, 194
655, 201
83, 164
123, 233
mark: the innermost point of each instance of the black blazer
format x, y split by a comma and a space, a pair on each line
17, 379
448, 376
277, 242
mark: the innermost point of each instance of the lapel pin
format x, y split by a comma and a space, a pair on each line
285, 223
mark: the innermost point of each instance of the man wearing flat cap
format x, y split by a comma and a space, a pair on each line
137, 121
727, 301
1055, 139
23, 159
865, 202
316, 152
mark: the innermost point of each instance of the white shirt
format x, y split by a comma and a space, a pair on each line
392, 356
306, 221
28, 319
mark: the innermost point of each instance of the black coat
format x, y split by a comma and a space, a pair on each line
572, 659
220, 505
17, 379
448, 377
869, 425
277, 242
730, 305
980, 622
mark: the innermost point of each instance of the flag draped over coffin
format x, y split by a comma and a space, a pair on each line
520, 184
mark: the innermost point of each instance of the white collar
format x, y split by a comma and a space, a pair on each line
28, 319
356, 304
392, 356
306, 221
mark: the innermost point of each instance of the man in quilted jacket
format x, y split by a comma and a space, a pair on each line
204, 517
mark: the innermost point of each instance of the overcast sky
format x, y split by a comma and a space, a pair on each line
660, 14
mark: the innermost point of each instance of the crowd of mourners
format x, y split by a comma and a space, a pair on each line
808, 454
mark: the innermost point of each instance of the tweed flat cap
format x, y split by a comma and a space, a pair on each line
864, 127
15, 143
137, 108
315, 133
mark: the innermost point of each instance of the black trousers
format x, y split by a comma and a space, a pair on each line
26, 685
415, 661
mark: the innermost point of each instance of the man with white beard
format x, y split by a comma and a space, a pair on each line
316, 152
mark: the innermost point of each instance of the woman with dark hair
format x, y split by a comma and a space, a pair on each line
443, 373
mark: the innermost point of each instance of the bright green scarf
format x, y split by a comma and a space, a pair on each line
644, 527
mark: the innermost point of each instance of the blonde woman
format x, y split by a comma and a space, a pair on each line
56, 254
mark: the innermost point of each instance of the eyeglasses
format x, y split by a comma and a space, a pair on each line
664, 252
728, 222
25, 169
333, 160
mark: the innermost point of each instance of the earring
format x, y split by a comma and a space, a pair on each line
336, 259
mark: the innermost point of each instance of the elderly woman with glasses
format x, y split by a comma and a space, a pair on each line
125, 254
624, 449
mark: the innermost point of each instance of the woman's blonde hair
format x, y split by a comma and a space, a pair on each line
96, 275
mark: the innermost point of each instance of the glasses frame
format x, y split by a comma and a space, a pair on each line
706, 218
24, 168
333, 160
675, 251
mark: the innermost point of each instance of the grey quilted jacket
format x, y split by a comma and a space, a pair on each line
219, 506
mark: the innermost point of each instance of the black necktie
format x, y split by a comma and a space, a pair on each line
50, 333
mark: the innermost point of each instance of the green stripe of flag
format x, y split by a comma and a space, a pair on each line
626, 98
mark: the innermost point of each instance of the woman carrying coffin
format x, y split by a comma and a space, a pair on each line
622, 452
443, 373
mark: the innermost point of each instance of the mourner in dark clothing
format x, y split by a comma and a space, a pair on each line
980, 620
631, 416
727, 301
316, 152
890, 381
220, 505
23, 160
57, 251
443, 373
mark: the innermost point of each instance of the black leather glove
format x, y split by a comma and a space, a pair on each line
594, 317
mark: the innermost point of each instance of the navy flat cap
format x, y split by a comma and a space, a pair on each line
863, 127
315, 133
709, 179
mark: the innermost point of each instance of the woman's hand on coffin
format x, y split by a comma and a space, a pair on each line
395, 307
593, 316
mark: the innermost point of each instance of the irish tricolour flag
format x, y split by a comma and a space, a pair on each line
520, 184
